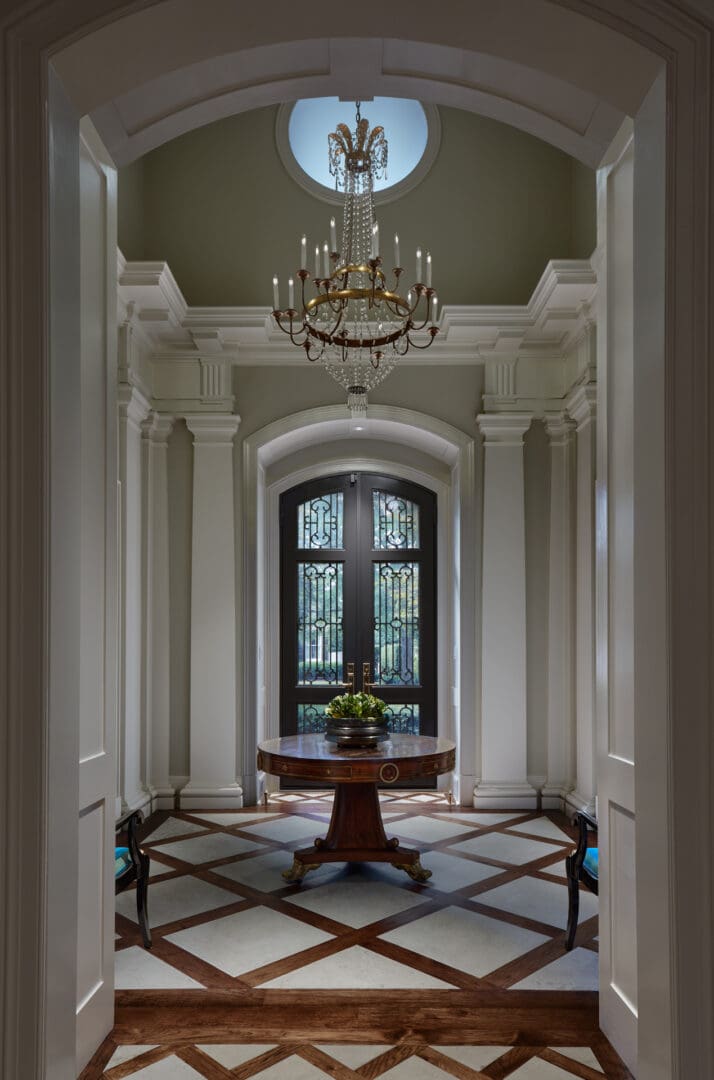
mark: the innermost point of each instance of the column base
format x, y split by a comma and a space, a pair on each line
505, 795
575, 800
553, 796
138, 800
163, 797
198, 796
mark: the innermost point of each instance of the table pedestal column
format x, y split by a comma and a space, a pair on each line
356, 834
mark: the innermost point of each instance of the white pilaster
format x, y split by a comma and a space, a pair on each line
582, 408
561, 623
133, 410
213, 753
156, 682
504, 704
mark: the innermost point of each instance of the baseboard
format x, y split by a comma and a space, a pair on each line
140, 801
575, 801
162, 797
554, 796
505, 795
200, 796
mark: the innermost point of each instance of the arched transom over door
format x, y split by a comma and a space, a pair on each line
358, 599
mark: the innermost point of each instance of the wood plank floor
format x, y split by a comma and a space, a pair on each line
465, 976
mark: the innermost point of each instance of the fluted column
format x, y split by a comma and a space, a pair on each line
156, 683
133, 410
582, 408
561, 608
213, 735
504, 704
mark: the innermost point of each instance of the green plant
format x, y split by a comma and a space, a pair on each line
356, 706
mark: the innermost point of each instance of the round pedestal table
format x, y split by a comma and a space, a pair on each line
356, 831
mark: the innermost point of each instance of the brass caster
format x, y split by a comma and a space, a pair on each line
298, 870
415, 870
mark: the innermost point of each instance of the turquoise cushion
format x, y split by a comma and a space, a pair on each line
590, 862
122, 861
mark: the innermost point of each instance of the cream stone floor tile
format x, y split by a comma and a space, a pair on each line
415, 1068
356, 902
248, 940
170, 1068
583, 1054
231, 817
356, 969
476, 1057
353, 1056
170, 828
287, 829
230, 1055
537, 1069
515, 850
264, 872
292, 1068
465, 940
127, 1053
576, 970
428, 830
203, 849
138, 969
480, 818
450, 872
543, 901
544, 827
158, 869
176, 899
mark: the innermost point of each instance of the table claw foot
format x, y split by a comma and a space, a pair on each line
298, 870
415, 870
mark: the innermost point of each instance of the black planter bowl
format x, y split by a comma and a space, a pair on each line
350, 733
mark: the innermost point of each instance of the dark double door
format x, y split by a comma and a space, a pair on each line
358, 599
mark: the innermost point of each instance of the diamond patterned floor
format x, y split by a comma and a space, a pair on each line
491, 919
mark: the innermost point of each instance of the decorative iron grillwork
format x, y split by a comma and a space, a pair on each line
396, 623
320, 626
395, 521
403, 719
311, 719
320, 522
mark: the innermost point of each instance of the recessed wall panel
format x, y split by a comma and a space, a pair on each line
623, 905
90, 945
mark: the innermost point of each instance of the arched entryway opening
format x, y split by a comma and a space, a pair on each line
688, 36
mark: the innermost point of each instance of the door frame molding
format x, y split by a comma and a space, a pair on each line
451, 476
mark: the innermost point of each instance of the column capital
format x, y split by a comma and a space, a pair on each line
504, 429
559, 428
581, 405
133, 405
215, 429
157, 428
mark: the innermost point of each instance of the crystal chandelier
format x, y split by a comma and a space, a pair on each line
351, 319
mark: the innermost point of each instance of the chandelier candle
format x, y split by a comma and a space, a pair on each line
350, 318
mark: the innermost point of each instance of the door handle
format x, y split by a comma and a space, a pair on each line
367, 686
350, 684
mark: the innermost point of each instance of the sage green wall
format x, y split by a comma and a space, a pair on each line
219, 207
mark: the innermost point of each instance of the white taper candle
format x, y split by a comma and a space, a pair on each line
317, 260
428, 270
396, 250
276, 294
434, 303
333, 235
418, 266
303, 253
291, 293
325, 260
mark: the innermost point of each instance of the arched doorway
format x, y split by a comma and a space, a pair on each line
687, 35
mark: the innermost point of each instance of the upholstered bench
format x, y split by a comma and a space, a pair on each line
131, 863
582, 865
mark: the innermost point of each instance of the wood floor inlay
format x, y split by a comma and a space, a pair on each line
358, 972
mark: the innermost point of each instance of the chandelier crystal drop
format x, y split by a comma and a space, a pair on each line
351, 318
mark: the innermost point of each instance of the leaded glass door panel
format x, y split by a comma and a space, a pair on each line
358, 595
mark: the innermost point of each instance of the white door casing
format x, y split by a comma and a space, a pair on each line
98, 596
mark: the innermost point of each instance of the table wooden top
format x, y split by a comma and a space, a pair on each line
311, 757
